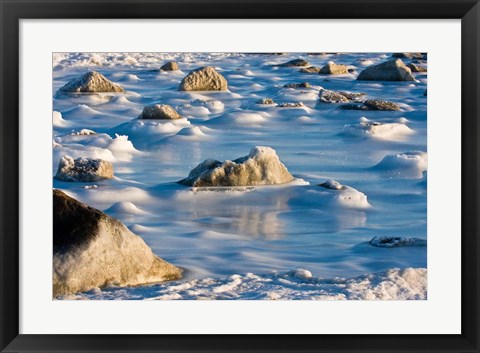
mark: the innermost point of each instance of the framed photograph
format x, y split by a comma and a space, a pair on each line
233, 176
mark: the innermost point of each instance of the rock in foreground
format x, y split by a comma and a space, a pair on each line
92, 249
393, 70
91, 82
261, 167
159, 111
204, 79
83, 169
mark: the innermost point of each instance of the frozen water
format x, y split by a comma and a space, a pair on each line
249, 232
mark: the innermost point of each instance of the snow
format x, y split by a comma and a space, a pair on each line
300, 284
404, 165
379, 158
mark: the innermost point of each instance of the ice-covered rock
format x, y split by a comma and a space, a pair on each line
416, 68
311, 70
261, 167
92, 249
83, 169
368, 128
334, 69
392, 70
204, 79
408, 55
91, 82
58, 121
332, 185
396, 242
159, 111
170, 66
296, 63
327, 96
372, 104
408, 165
352, 95
268, 101
291, 105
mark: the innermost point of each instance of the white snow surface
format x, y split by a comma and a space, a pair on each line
300, 284
235, 238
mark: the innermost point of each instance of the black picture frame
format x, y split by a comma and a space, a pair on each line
14, 10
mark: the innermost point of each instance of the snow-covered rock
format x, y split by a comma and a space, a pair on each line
311, 70
268, 101
170, 66
83, 169
408, 165
327, 96
92, 249
204, 79
334, 69
159, 111
90, 82
261, 167
392, 70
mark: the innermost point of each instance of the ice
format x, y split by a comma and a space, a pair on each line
300, 284
376, 162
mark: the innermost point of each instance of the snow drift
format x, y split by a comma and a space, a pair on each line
261, 167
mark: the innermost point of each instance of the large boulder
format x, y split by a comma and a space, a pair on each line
170, 66
91, 82
334, 69
392, 70
92, 249
261, 167
408, 55
83, 169
159, 111
204, 79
